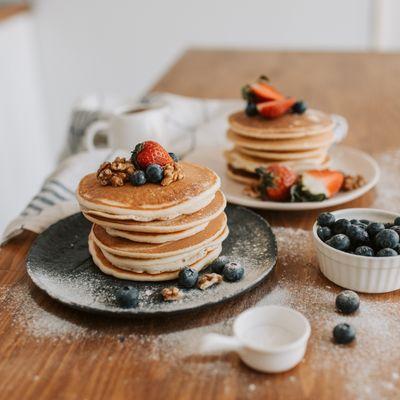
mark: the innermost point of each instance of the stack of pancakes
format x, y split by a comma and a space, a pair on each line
151, 232
300, 141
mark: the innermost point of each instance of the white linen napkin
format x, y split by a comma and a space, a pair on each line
205, 119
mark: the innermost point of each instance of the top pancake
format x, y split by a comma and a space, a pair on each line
152, 201
285, 127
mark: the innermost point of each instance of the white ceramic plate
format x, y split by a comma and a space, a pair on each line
344, 158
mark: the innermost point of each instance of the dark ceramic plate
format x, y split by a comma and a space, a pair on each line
59, 263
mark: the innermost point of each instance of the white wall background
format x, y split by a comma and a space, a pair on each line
69, 48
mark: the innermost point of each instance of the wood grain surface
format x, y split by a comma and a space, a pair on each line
48, 351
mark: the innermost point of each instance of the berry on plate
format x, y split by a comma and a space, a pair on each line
347, 302
233, 272
154, 173
339, 242
344, 333
387, 238
127, 296
275, 108
276, 182
218, 265
138, 178
148, 153
188, 277
299, 107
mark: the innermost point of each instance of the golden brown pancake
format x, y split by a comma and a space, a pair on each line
127, 248
285, 127
183, 222
304, 143
151, 201
109, 269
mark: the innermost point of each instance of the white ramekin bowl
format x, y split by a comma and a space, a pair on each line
359, 273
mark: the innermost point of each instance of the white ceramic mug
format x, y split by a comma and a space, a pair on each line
129, 125
268, 338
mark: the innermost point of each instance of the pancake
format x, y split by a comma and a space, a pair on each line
305, 143
106, 267
288, 126
250, 164
155, 237
127, 248
181, 223
282, 155
151, 201
241, 176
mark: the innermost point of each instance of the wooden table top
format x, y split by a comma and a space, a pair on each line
48, 351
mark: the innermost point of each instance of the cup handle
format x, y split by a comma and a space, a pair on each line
91, 131
215, 343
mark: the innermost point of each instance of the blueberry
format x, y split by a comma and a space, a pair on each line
138, 178
344, 333
387, 238
374, 227
396, 228
357, 234
324, 233
339, 242
251, 109
388, 225
174, 157
354, 221
299, 107
233, 272
397, 248
188, 277
364, 251
326, 219
127, 297
154, 173
341, 225
347, 302
360, 224
386, 253
397, 221
365, 221
218, 265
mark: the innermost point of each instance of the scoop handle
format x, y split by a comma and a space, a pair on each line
215, 343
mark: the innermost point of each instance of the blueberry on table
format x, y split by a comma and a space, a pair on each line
326, 219
387, 238
387, 253
251, 109
299, 107
347, 302
374, 227
344, 333
365, 251
127, 297
138, 178
188, 277
339, 242
154, 173
357, 234
324, 233
341, 225
218, 265
233, 272
397, 221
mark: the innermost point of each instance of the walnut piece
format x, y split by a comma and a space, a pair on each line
115, 173
252, 191
207, 280
352, 182
172, 172
171, 294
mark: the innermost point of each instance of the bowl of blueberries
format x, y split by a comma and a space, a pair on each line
359, 249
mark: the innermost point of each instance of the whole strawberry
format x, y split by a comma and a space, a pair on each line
148, 153
276, 181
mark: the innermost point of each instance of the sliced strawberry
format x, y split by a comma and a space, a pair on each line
327, 182
150, 152
276, 108
265, 92
276, 182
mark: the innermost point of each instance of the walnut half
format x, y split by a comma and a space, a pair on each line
207, 280
172, 172
115, 173
171, 294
